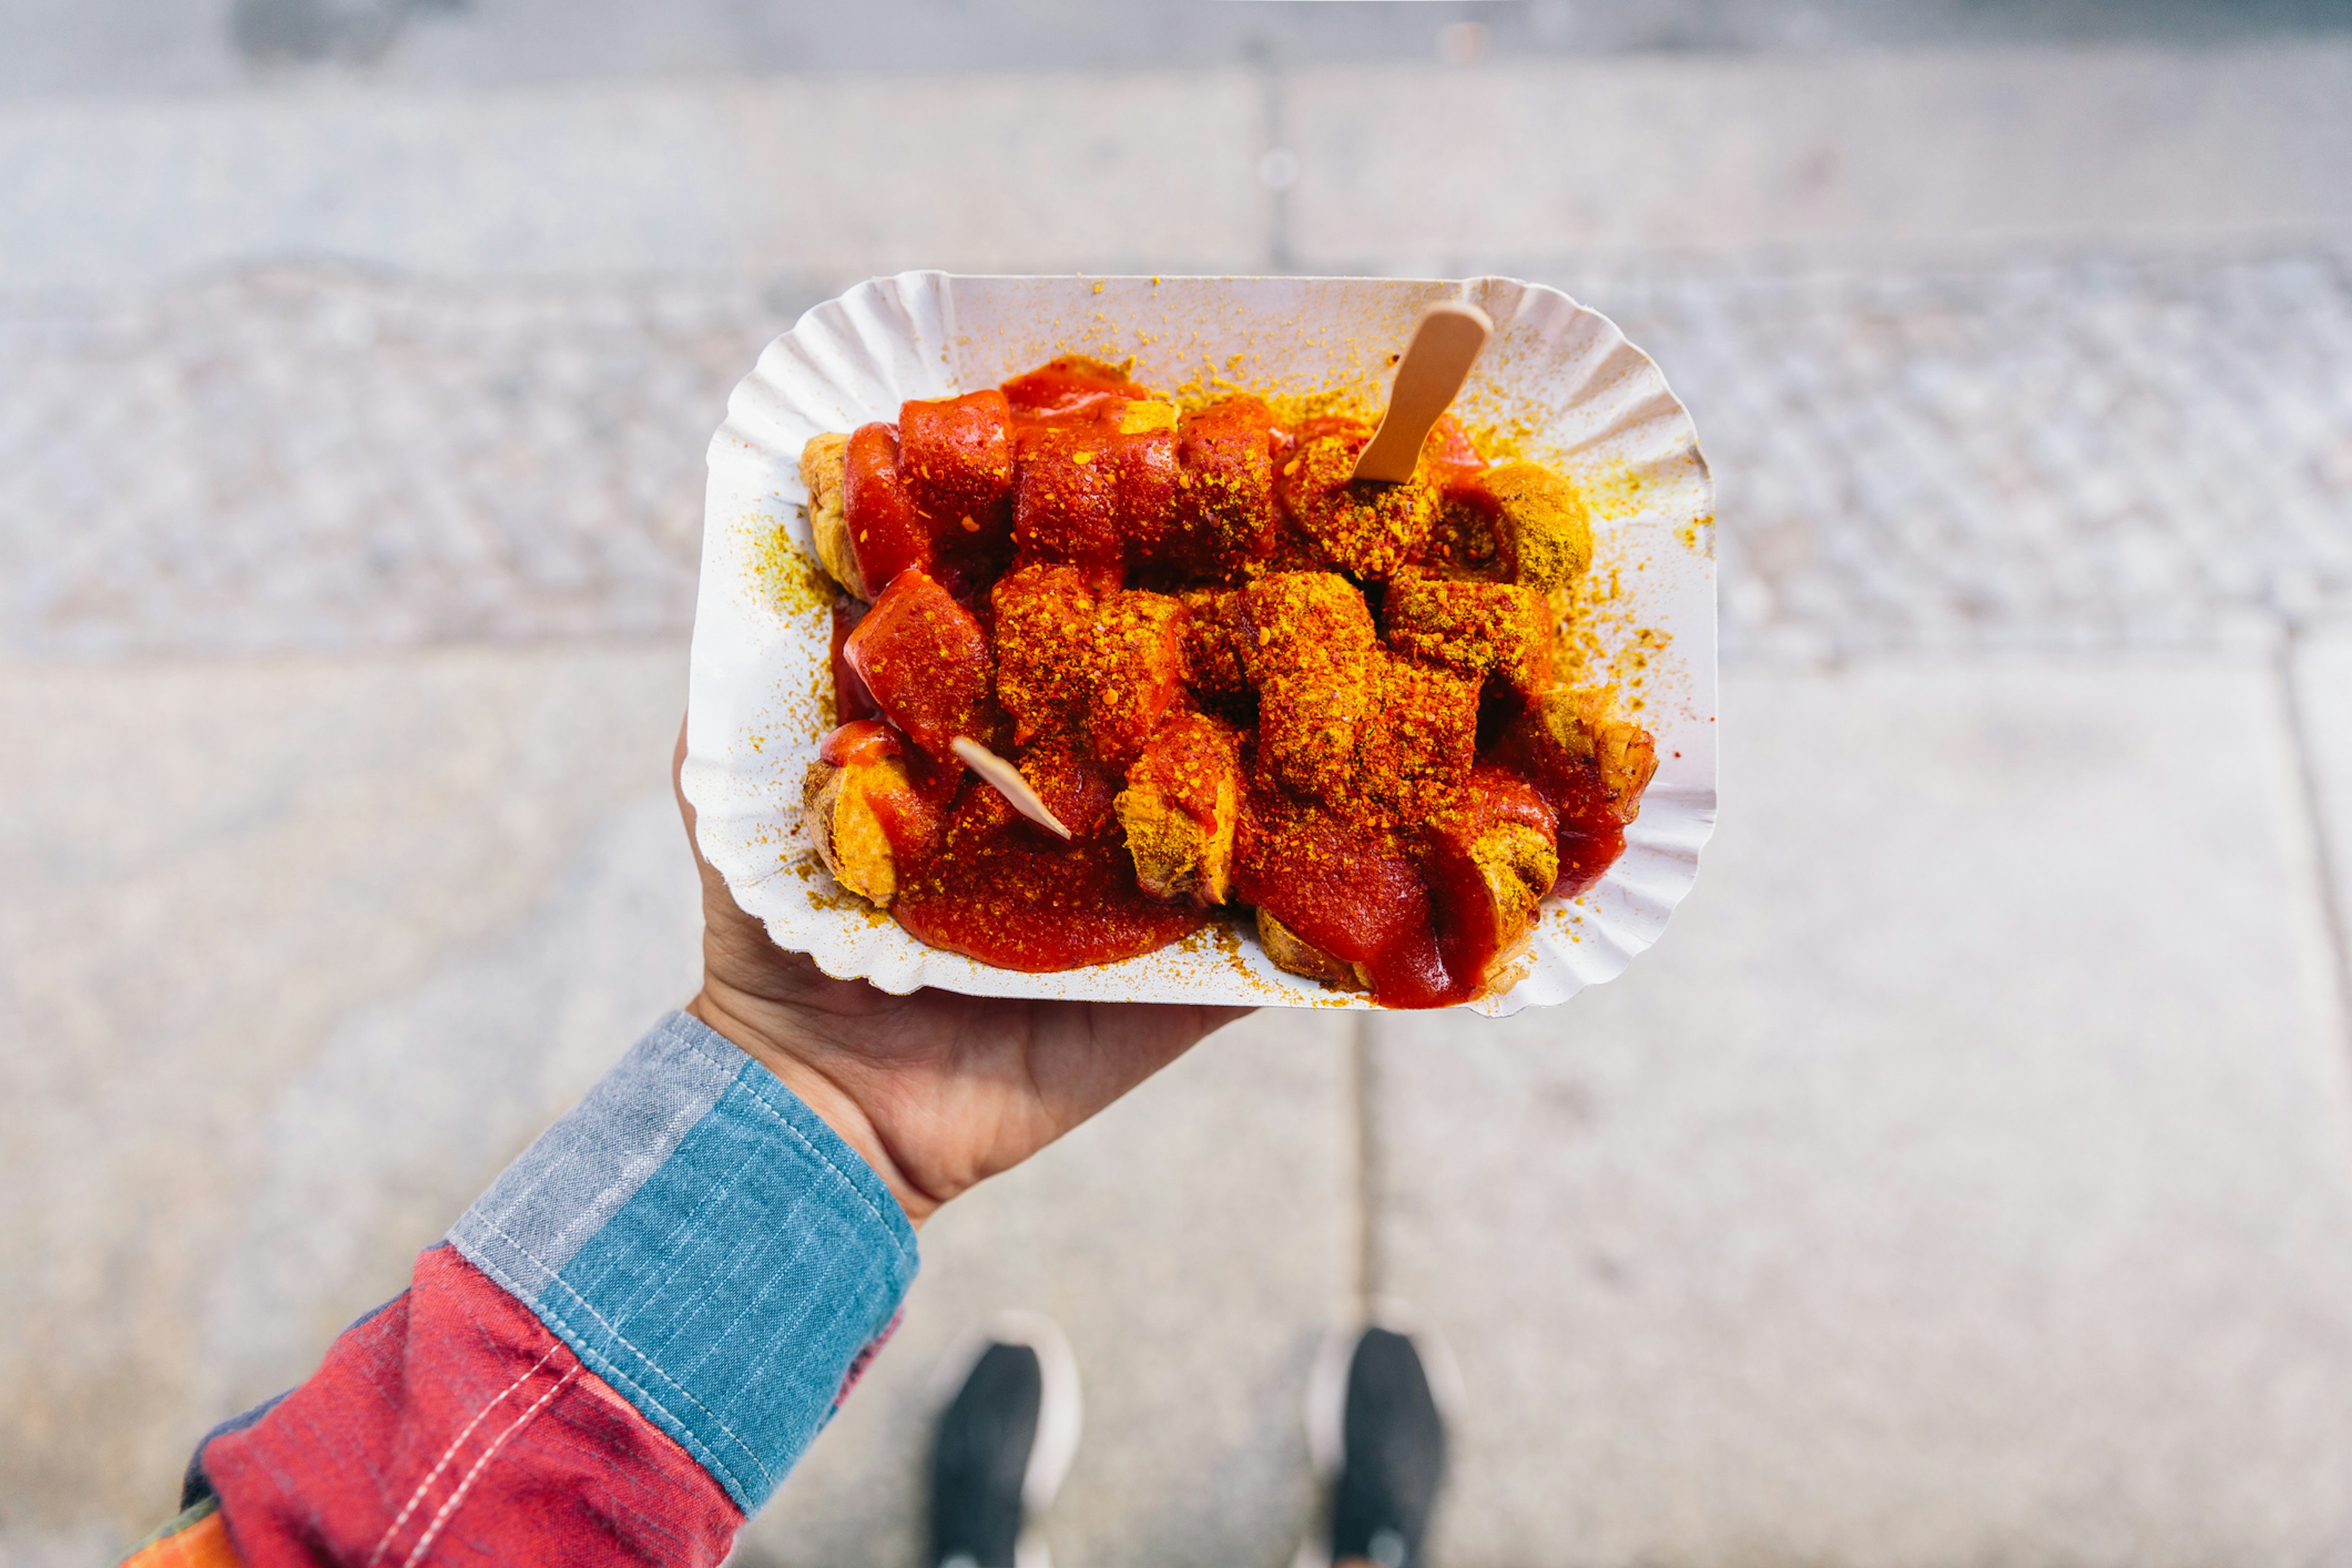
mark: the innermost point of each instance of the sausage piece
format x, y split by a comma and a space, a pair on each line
926, 661
865, 812
1180, 807
1586, 757
1289, 951
1489, 858
1307, 639
824, 469
1364, 527
1475, 629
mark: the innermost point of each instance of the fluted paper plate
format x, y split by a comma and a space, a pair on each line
1560, 378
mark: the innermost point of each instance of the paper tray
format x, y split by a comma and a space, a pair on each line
1561, 379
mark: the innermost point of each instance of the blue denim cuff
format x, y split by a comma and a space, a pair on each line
709, 1247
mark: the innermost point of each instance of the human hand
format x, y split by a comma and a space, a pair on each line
937, 1090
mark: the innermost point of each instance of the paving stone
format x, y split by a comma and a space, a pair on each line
1966, 1177
1142, 172
134, 190
1195, 1241
1943, 152
293, 957
1148, 172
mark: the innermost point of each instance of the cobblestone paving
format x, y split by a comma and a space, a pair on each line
2096, 455
2082, 455
316, 461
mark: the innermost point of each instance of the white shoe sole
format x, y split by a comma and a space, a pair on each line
1060, 1412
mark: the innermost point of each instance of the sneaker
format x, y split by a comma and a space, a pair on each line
1007, 1432
1376, 1431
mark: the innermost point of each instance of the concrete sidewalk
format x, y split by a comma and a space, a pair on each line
1967, 1176
2013, 1221
1934, 157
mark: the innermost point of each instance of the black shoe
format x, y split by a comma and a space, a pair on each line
1377, 1431
1006, 1438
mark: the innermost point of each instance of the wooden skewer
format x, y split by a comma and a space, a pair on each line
1006, 780
1445, 342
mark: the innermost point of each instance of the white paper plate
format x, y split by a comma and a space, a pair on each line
1562, 377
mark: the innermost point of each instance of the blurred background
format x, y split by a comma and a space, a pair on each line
1966, 1178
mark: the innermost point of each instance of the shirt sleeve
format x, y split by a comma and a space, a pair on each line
616, 1355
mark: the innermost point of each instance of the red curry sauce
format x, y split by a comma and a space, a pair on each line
1064, 566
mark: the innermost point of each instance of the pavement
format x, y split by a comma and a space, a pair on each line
1968, 1174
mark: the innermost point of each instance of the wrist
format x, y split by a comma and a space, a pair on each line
768, 1041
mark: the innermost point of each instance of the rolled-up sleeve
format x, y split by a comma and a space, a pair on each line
619, 1352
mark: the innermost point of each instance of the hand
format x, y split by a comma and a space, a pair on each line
937, 1090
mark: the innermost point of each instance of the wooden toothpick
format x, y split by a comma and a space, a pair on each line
1445, 341
1006, 780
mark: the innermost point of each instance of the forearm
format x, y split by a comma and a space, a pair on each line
621, 1350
